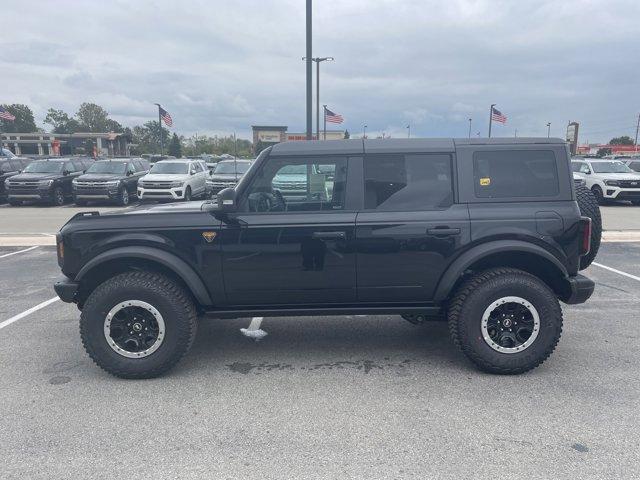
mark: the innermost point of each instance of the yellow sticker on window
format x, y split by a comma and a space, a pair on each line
485, 181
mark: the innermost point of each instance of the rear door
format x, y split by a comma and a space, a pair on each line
410, 227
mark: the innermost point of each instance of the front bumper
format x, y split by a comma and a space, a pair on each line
619, 193
66, 289
161, 194
40, 195
100, 193
579, 289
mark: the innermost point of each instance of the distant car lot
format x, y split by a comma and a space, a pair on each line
357, 396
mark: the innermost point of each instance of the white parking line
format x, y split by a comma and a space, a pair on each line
6, 323
619, 272
19, 251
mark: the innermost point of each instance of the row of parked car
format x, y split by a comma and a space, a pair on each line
57, 180
609, 179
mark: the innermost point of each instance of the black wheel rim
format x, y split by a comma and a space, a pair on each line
510, 324
134, 329
59, 197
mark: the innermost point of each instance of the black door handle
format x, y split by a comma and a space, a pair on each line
325, 235
444, 231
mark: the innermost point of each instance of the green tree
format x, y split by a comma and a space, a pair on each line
347, 134
61, 122
92, 117
24, 122
112, 126
175, 147
602, 152
146, 138
623, 140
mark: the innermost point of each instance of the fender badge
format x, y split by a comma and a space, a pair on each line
209, 236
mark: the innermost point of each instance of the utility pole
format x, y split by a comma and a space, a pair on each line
409, 131
318, 60
469, 128
364, 131
491, 117
515, 133
548, 129
309, 74
637, 128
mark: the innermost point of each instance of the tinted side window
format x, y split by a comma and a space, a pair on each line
635, 166
298, 185
5, 167
515, 173
575, 166
16, 165
408, 182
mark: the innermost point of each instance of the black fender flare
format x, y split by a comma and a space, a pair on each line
468, 258
181, 268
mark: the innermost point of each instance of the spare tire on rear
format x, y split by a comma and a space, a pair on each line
589, 208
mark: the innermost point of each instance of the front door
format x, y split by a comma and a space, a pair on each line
410, 228
291, 241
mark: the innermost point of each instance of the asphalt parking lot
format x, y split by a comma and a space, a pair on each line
322, 397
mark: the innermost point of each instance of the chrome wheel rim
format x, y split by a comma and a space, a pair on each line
125, 197
134, 329
510, 325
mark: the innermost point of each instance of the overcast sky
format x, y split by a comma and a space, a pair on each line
220, 66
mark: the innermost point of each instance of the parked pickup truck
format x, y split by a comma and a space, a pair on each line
485, 234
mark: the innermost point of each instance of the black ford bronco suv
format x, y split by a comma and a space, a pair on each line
486, 234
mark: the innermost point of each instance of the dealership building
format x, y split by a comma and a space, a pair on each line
266, 135
106, 144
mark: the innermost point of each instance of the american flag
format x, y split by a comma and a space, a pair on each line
332, 117
497, 116
166, 118
5, 115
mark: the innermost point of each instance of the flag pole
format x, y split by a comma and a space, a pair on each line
324, 112
160, 130
491, 117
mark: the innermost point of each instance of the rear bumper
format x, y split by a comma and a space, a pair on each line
66, 289
580, 288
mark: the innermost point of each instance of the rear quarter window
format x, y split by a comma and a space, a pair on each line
515, 174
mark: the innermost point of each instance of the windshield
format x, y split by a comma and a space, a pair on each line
44, 167
5, 152
169, 167
610, 167
107, 167
229, 167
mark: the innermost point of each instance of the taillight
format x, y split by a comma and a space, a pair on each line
60, 249
586, 235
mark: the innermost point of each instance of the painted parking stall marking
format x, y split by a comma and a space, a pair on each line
619, 272
40, 306
17, 252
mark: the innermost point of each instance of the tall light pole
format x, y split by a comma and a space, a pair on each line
469, 128
548, 129
408, 131
309, 73
318, 60
364, 131
637, 128
160, 130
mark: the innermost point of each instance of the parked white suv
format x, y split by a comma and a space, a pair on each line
608, 179
174, 180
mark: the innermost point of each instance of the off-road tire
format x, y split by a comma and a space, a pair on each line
170, 299
477, 293
15, 203
589, 208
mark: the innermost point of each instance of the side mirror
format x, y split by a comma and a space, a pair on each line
192, 172
227, 200
588, 172
65, 172
129, 173
211, 173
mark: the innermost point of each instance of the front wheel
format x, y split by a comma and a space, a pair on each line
123, 198
505, 321
58, 197
138, 324
597, 192
187, 194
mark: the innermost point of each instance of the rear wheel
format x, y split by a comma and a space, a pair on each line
504, 320
138, 324
589, 208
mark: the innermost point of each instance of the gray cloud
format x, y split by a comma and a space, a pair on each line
222, 66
